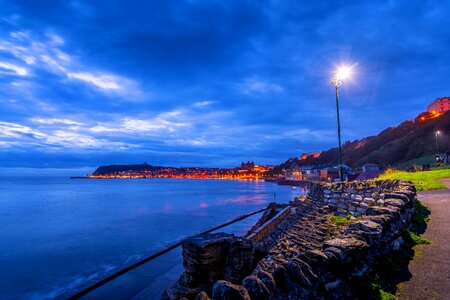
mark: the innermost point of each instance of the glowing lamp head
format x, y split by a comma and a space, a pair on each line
343, 73
438, 132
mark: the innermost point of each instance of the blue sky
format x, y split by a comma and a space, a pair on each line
209, 83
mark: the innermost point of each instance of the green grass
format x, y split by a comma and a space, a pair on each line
420, 217
424, 181
385, 295
340, 221
418, 225
417, 239
376, 291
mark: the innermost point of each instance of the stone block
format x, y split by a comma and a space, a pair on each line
361, 209
342, 206
397, 244
356, 214
394, 202
223, 289
369, 200
268, 280
345, 243
367, 226
202, 296
256, 288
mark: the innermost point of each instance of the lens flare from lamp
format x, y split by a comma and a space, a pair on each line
343, 73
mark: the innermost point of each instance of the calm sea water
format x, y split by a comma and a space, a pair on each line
56, 232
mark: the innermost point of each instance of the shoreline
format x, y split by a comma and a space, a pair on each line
235, 179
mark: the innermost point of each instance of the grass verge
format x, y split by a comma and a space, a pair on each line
424, 181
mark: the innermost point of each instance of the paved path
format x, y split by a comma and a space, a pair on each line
430, 268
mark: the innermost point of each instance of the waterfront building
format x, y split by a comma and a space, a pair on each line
369, 171
329, 173
295, 173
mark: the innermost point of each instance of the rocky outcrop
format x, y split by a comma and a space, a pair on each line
305, 256
225, 290
209, 258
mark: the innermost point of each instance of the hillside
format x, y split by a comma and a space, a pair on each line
393, 146
111, 169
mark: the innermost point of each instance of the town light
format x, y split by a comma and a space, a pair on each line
342, 73
437, 141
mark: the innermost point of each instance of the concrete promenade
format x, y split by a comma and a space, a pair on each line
430, 268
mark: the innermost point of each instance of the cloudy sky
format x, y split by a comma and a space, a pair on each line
208, 82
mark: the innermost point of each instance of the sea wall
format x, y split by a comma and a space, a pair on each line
304, 255
269, 226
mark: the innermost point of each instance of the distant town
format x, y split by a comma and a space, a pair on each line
246, 171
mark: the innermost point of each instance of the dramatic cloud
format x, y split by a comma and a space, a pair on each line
209, 83
7, 68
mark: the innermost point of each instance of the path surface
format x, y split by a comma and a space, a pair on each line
430, 268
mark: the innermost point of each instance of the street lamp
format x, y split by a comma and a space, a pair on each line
341, 74
437, 141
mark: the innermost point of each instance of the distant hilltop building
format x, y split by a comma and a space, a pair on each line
251, 166
248, 166
440, 105
436, 109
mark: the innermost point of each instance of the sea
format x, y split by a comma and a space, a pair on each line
58, 233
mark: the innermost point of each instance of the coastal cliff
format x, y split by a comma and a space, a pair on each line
299, 251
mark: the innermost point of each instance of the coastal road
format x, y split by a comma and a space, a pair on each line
430, 268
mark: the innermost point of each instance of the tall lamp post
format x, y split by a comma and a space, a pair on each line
437, 141
341, 74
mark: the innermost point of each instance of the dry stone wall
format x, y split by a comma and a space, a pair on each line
305, 257
356, 197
